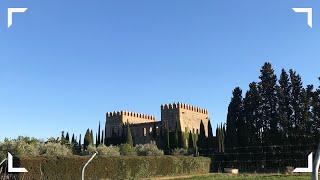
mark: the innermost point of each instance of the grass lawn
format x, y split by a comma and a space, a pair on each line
249, 177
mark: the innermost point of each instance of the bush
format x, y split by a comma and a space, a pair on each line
55, 149
122, 167
90, 150
19, 148
148, 150
108, 150
127, 150
180, 152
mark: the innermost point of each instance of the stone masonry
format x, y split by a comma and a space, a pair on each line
177, 115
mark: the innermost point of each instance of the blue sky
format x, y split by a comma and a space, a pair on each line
63, 64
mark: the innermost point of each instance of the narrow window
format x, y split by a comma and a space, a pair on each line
144, 131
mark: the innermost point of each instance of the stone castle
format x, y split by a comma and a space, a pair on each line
142, 125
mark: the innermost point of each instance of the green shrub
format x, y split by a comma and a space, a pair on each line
90, 150
180, 152
122, 167
108, 150
148, 150
55, 149
127, 150
19, 148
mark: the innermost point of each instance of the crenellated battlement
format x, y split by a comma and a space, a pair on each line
184, 106
131, 114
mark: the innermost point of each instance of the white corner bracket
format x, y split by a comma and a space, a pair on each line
11, 11
305, 10
307, 169
11, 169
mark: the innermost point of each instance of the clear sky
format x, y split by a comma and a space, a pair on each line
63, 64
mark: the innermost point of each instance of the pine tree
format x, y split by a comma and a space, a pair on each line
234, 115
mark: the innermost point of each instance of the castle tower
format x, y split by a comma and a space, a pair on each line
186, 117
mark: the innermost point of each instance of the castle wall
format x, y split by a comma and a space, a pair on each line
115, 121
142, 133
187, 116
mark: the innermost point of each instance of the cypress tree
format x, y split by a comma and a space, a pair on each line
154, 132
87, 139
308, 95
99, 135
102, 137
223, 134
62, 137
180, 137
220, 138
67, 137
80, 140
269, 103
210, 134
173, 139
233, 117
167, 139
129, 136
91, 136
105, 134
97, 143
210, 139
251, 115
190, 141
297, 119
316, 116
202, 137
72, 139
285, 112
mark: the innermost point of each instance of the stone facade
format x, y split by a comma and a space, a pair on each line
115, 121
177, 115
185, 117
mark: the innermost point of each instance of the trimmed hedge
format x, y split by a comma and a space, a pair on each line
123, 167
